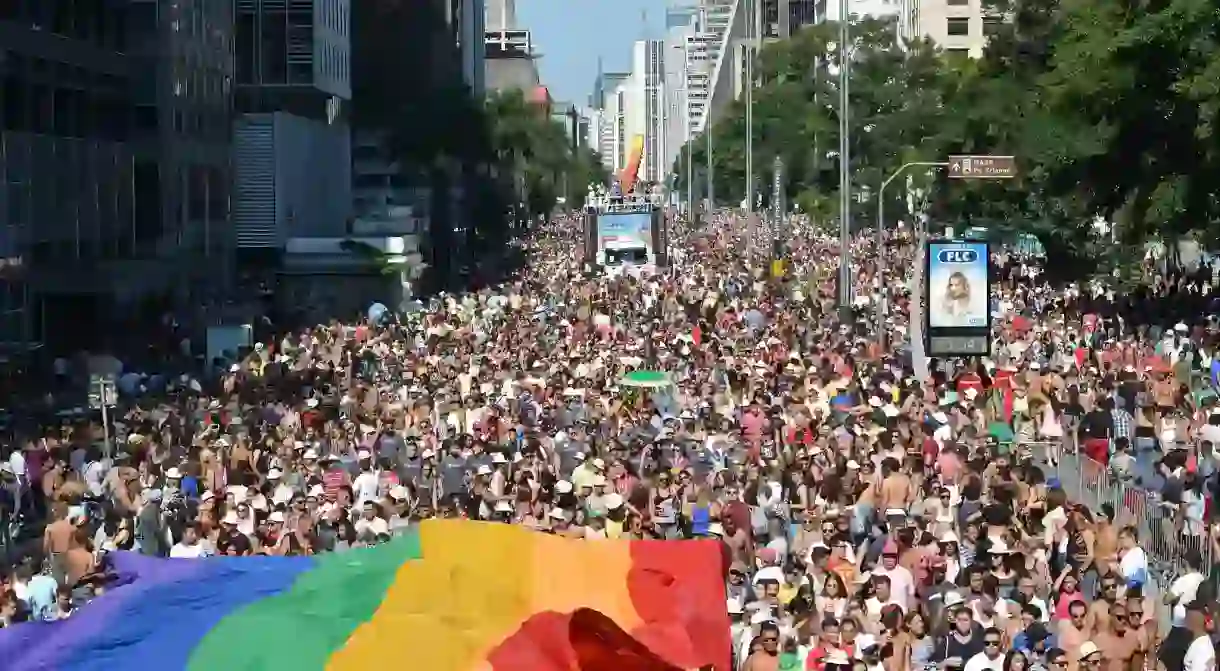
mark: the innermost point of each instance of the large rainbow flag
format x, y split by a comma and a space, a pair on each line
452, 596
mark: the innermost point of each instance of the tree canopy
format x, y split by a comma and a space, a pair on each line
1110, 107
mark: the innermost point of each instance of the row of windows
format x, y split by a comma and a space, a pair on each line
960, 26
334, 65
335, 15
96, 21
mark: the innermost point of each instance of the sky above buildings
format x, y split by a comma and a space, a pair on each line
572, 34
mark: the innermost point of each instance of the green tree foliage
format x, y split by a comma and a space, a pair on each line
1110, 107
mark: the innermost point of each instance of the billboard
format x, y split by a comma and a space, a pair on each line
624, 230
957, 286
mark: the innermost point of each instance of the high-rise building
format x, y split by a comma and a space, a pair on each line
959, 26
114, 159
292, 143
645, 108
782, 18
680, 24
609, 104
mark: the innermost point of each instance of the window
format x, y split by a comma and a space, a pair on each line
992, 24
958, 3
957, 27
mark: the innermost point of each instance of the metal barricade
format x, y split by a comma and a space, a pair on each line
1166, 536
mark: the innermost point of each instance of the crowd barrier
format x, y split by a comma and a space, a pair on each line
1166, 536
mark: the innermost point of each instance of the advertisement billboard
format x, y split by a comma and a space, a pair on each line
624, 230
957, 286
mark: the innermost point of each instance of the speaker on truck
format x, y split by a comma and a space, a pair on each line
660, 237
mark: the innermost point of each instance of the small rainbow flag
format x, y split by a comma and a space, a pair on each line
449, 596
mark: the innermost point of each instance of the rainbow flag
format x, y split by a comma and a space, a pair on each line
451, 596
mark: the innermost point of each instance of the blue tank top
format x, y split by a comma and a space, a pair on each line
700, 520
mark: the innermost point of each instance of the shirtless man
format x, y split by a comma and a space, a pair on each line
896, 488
1118, 644
1099, 617
1073, 632
766, 658
1144, 626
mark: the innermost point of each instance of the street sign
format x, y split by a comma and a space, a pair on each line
982, 167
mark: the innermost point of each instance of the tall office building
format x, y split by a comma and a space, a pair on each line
644, 108
292, 141
959, 26
782, 18
114, 155
609, 103
680, 24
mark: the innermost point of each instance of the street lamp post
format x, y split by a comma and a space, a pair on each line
844, 162
881, 335
752, 6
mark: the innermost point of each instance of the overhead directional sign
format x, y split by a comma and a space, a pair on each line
982, 167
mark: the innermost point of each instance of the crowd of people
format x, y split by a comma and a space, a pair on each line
871, 519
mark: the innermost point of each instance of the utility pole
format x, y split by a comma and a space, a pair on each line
752, 6
845, 280
690, 145
711, 181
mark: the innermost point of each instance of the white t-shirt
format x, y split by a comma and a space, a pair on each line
980, 662
365, 486
902, 585
1134, 566
1201, 655
181, 551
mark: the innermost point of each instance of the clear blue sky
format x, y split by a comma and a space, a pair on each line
571, 34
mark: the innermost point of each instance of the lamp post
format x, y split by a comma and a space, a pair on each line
881, 335
752, 6
844, 163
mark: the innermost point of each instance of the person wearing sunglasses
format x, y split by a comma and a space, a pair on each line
992, 656
764, 657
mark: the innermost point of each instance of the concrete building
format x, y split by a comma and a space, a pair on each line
509, 52
610, 101
644, 108
680, 24
114, 159
782, 18
959, 26
292, 142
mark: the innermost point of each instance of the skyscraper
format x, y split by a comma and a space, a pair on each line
114, 155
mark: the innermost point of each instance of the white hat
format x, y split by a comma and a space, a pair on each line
503, 506
230, 518
853, 465
399, 493
311, 403
316, 491
173, 474
498, 458
613, 501
563, 487
953, 599
1088, 648
275, 474
948, 537
310, 454
483, 469
875, 402
1180, 328
276, 516
207, 496
364, 454
599, 464
557, 514
866, 641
